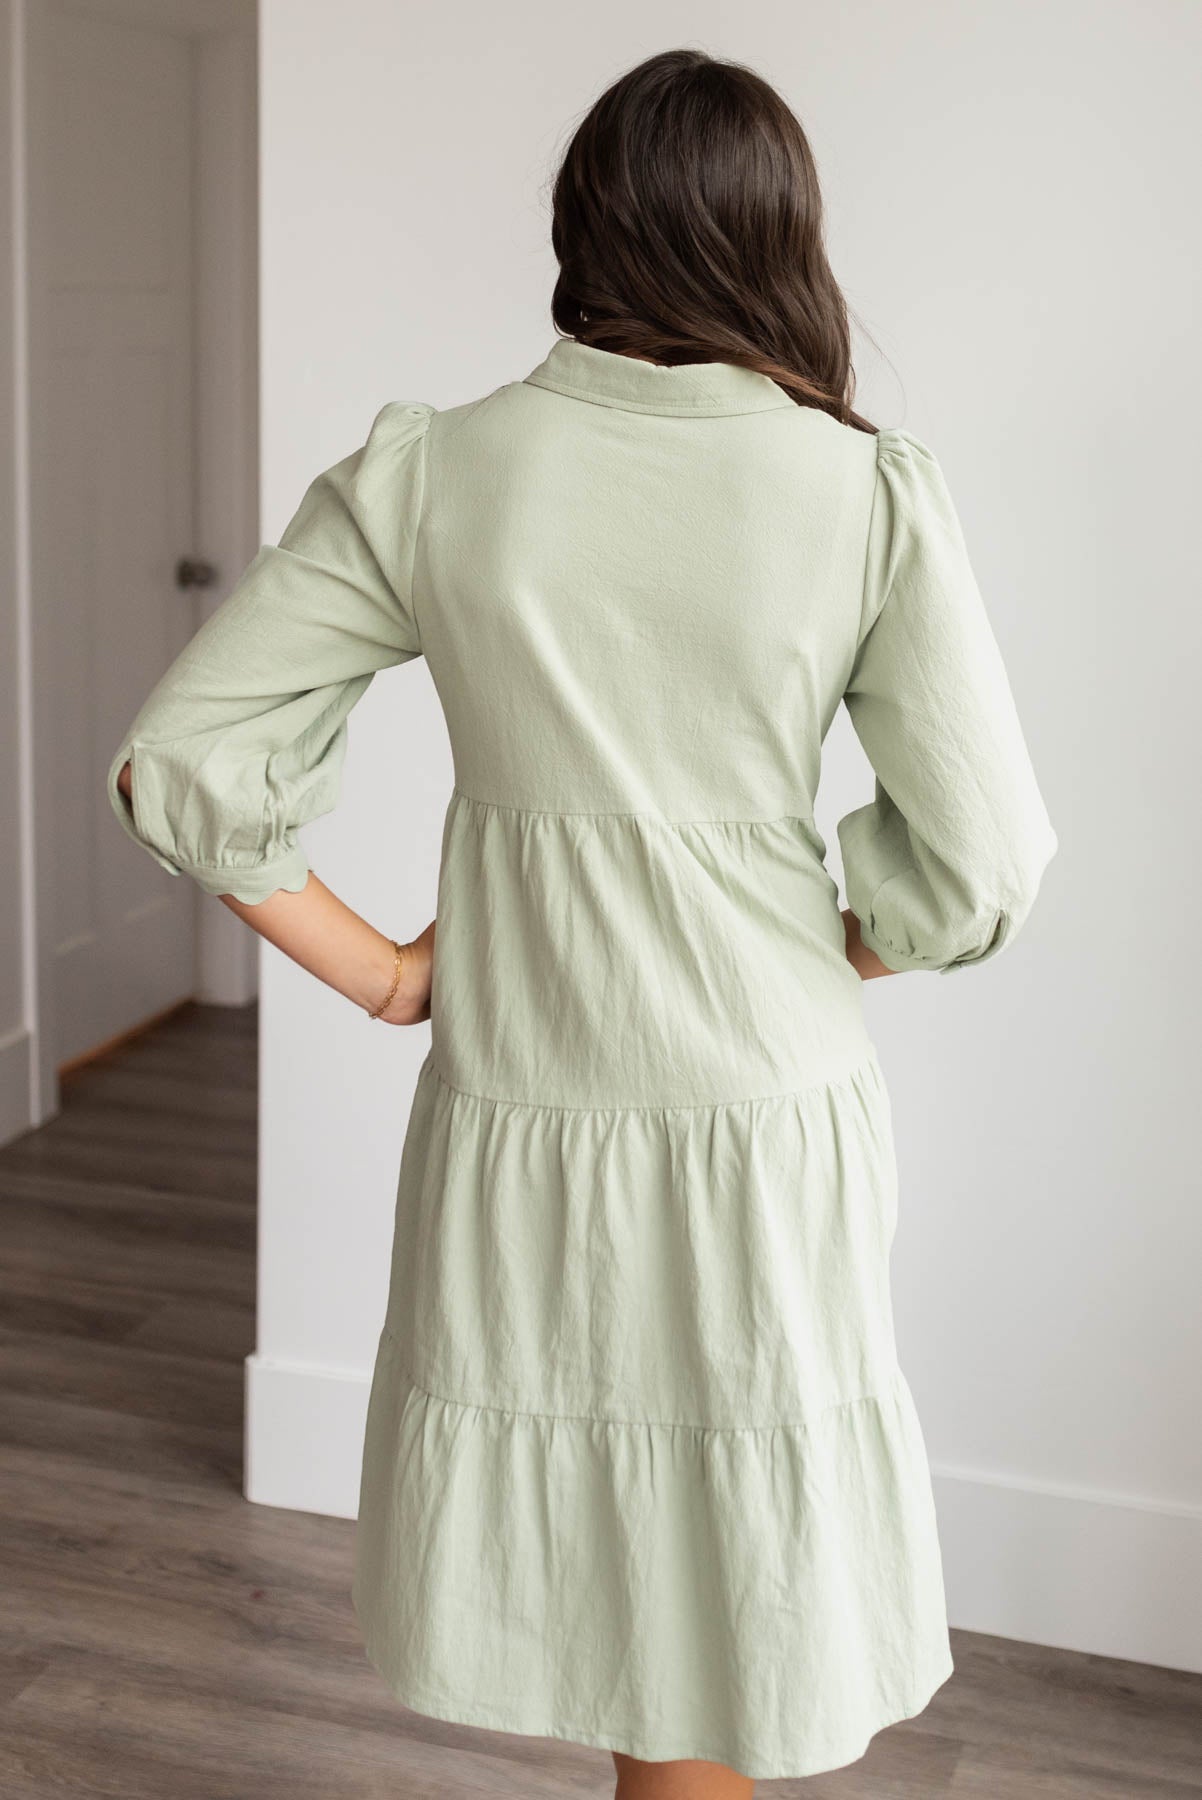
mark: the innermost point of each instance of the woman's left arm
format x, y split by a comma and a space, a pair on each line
325, 936
329, 939
242, 740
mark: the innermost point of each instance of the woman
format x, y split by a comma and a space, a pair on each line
641, 1469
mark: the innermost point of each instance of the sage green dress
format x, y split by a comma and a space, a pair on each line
641, 1468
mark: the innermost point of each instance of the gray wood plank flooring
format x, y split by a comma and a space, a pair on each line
160, 1639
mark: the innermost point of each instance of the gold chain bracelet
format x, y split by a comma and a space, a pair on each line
390, 996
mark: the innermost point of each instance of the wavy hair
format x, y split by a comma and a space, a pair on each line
687, 222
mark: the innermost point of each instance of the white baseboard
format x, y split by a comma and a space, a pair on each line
1111, 1576
304, 1436
16, 1079
1093, 1572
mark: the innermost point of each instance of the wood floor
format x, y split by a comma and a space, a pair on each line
160, 1639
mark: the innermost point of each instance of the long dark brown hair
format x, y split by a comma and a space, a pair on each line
687, 221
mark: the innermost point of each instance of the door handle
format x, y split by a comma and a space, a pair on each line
194, 571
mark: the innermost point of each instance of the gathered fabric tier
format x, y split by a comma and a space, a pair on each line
641, 1468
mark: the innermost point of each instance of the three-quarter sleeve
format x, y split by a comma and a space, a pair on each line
242, 740
943, 866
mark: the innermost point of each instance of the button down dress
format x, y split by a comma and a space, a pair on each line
641, 1468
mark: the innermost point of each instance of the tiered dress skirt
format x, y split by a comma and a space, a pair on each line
641, 1469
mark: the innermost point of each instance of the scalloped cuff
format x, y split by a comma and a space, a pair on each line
901, 963
248, 882
253, 882
893, 959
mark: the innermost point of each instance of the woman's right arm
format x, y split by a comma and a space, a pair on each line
866, 963
943, 866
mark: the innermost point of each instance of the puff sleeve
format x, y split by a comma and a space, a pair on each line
943, 867
242, 740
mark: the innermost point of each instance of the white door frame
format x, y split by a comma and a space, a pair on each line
226, 460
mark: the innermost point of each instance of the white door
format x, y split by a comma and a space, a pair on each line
111, 476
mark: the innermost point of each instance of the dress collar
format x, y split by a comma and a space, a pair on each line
608, 379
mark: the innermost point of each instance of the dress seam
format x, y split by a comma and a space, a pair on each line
265, 866
550, 812
867, 1062
680, 409
551, 1418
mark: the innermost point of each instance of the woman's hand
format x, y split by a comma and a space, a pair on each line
321, 933
411, 1002
866, 963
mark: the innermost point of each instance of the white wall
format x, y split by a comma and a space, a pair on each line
1011, 215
